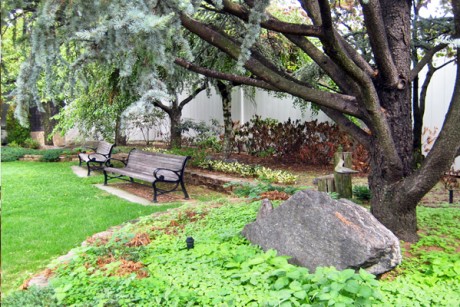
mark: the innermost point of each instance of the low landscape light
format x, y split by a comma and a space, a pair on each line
190, 242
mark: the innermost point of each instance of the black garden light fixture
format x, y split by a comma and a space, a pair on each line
190, 242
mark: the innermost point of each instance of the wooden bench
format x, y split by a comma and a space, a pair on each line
96, 159
150, 167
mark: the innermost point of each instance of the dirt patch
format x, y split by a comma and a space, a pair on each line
146, 192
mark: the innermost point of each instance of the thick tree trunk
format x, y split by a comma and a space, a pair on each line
175, 115
389, 203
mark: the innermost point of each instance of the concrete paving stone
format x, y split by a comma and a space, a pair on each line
125, 195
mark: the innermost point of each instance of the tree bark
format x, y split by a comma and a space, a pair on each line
225, 93
48, 122
381, 99
120, 138
175, 115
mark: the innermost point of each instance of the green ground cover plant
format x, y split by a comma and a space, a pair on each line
47, 210
431, 275
147, 263
246, 170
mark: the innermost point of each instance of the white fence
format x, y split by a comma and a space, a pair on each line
204, 108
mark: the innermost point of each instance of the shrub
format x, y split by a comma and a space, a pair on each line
16, 132
31, 143
14, 144
361, 192
311, 142
202, 135
251, 191
198, 155
31, 297
14, 153
51, 155
245, 170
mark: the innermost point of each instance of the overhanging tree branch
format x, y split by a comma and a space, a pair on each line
273, 23
342, 103
224, 76
425, 60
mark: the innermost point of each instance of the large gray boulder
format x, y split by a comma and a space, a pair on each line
316, 230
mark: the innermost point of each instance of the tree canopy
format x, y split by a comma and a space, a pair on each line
370, 83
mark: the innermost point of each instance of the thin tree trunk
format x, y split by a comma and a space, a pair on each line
175, 129
120, 138
48, 122
225, 93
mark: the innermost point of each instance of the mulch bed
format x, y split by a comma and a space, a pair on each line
437, 196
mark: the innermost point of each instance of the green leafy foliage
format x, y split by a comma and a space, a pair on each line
246, 170
198, 155
432, 276
31, 143
362, 192
16, 132
251, 191
14, 153
222, 269
201, 134
51, 155
32, 297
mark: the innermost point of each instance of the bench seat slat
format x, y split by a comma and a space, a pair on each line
142, 165
99, 157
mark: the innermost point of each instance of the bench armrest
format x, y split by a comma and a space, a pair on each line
94, 159
108, 163
164, 170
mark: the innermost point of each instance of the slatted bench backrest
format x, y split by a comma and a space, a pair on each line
104, 148
142, 161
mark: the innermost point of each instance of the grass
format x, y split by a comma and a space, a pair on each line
47, 210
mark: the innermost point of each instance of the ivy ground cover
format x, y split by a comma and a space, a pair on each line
148, 264
47, 210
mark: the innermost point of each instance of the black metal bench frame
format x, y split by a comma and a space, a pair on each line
96, 159
158, 174
449, 179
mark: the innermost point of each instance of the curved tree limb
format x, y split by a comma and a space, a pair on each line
426, 58
193, 95
224, 76
379, 43
357, 133
342, 103
445, 148
273, 23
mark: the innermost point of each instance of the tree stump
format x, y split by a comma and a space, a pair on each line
343, 184
326, 183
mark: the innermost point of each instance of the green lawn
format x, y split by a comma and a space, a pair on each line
47, 210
